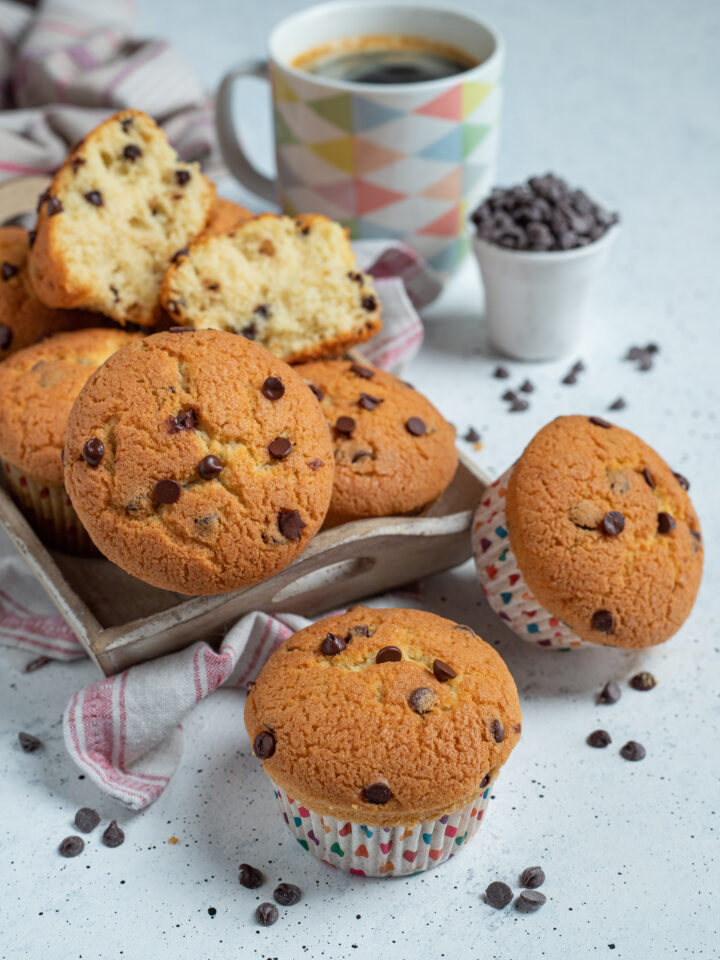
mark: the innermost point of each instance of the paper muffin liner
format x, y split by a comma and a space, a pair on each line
50, 512
502, 580
371, 851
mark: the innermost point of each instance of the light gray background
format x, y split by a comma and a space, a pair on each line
622, 98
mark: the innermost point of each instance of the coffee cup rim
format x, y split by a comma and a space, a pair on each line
331, 83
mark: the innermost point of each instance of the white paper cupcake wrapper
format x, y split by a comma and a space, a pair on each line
370, 851
502, 580
50, 512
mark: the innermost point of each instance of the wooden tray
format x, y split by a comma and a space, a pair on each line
121, 620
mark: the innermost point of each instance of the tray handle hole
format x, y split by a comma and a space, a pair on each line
325, 577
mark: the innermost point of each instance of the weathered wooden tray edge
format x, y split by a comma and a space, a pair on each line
340, 566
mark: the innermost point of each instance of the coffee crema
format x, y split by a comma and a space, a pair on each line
384, 59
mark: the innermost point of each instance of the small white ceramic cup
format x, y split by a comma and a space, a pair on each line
536, 304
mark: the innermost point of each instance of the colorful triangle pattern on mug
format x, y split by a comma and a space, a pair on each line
395, 165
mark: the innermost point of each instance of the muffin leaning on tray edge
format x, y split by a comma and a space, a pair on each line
590, 538
38, 386
382, 731
215, 464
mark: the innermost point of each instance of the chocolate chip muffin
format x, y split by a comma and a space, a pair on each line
198, 462
113, 217
291, 285
394, 453
37, 388
23, 318
382, 731
589, 538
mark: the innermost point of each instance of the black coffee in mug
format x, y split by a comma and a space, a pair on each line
385, 60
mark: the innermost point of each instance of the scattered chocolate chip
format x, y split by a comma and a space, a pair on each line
332, 645
185, 420
287, 894
648, 478
369, 303
501, 373
472, 436
610, 693
8, 270
264, 745
291, 524
94, 197
28, 742
530, 900
415, 427
54, 206
498, 894
634, 353
280, 447
126, 123
377, 793
86, 819
389, 655
262, 310
113, 836
682, 481
652, 348
422, 700
603, 621
315, 463
182, 177
532, 878
182, 252
612, 523
249, 331
267, 914
643, 681
212, 911
527, 386
345, 426
93, 451
443, 671
317, 391
618, 404
633, 751
209, 467
167, 491
365, 372
132, 152
273, 388
665, 523
251, 877
71, 847
509, 395
599, 422
599, 738
518, 404
497, 728
6, 337
569, 379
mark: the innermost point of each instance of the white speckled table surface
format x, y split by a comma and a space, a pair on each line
621, 99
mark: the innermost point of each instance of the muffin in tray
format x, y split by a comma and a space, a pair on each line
291, 285
382, 731
590, 538
210, 463
38, 386
394, 453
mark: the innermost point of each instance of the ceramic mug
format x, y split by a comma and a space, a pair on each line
402, 161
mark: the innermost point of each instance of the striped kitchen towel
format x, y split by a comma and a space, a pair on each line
66, 65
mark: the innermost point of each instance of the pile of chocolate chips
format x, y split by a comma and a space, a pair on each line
543, 214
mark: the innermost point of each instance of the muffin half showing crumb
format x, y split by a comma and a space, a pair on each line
291, 285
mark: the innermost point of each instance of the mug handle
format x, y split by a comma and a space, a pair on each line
231, 146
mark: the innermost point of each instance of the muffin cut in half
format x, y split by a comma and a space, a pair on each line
291, 285
114, 215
